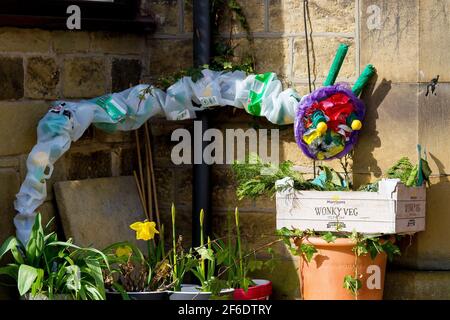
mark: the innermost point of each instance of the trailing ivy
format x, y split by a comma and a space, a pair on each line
224, 56
296, 241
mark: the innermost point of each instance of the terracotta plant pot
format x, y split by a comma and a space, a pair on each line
323, 277
262, 290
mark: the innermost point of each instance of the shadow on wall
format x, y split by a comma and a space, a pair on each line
363, 159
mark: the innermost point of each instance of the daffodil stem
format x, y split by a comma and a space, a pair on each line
174, 245
202, 243
238, 233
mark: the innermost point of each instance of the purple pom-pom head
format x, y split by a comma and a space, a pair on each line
316, 96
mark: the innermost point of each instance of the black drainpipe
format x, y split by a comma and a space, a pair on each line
201, 192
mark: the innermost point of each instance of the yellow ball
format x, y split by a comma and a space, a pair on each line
322, 127
356, 125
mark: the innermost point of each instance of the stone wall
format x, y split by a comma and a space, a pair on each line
408, 50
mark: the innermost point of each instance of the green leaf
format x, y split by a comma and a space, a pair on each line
27, 275
73, 281
10, 270
35, 245
38, 283
329, 237
122, 291
391, 250
255, 265
352, 284
95, 271
308, 250
205, 254
374, 247
12, 244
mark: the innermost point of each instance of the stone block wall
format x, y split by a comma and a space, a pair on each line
408, 50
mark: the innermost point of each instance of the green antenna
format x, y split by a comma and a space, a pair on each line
363, 79
336, 66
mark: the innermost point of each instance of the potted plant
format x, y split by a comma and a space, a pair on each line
131, 275
202, 263
48, 269
337, 264
237, 263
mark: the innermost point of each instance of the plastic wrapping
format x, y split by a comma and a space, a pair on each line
259, 95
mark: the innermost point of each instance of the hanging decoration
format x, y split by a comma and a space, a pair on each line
328, 120
259, 95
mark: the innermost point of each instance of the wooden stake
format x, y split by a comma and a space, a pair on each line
140, 193
147, 135
149, 184
141, 174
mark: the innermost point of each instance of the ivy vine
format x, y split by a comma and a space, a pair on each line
224, 58
363, 245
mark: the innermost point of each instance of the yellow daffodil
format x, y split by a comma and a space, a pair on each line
123, 251
144, 230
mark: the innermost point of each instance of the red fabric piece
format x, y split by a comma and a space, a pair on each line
336, 107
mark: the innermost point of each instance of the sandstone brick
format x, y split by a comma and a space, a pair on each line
128, 161
183, 185
166, 15
271, 55
257, 228
188, 18
254, 13
18, 122
165, 183
429, 250
115, 42
70, 41
433, 47
417, 285
42, 77
183, 223
89, 165
8, 189
394, 48
11, 78
22, 40
324, 51
84, 77
285, 281
169, 56
125, 73
326, 16
390, 127
433, 127
113, 137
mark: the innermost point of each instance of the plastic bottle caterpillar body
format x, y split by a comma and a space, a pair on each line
259, 95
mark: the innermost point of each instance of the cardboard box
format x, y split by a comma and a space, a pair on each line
395, 208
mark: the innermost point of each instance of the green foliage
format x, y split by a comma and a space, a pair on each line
49, 267
352, 284
223, 57
363, 245
329, 237
135, 272
409, 173
308, 250
255, 178
403, 169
